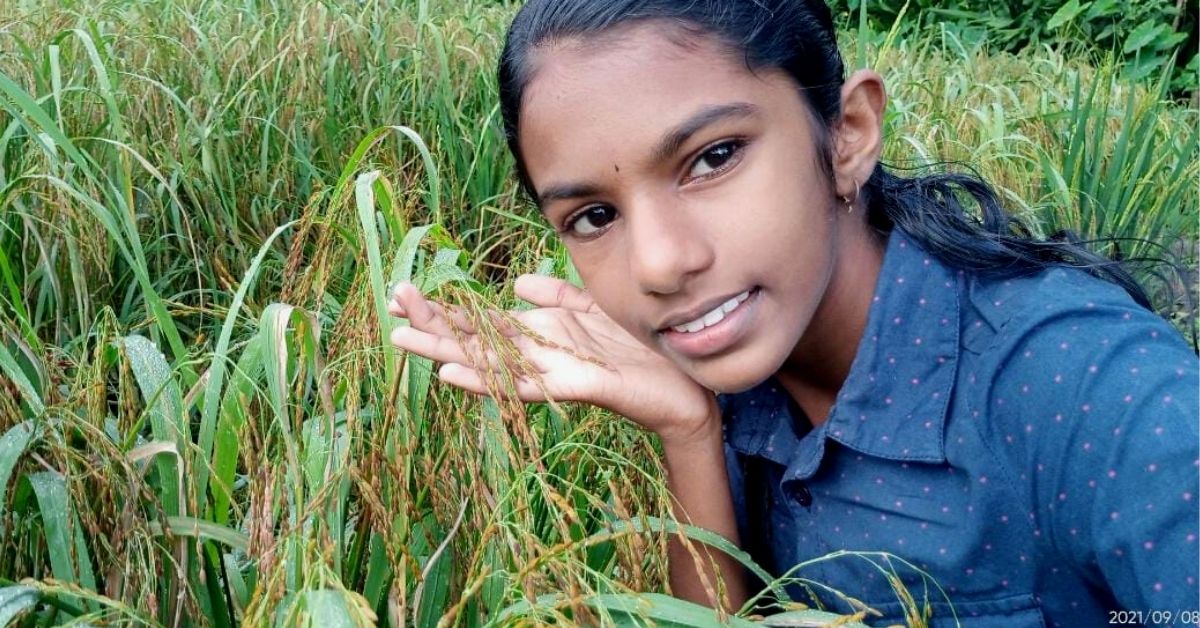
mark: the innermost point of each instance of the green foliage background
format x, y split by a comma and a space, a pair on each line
1143, 35
201, 207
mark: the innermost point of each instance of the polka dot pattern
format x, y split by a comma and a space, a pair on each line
1030, 442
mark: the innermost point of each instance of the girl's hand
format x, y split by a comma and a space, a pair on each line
640, 384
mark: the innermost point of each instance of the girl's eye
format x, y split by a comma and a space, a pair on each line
591, 220
716, 159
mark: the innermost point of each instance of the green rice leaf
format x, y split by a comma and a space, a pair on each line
204, 530
12, 447
324, 608
14, 298
630, 610
167, 421
379, 571
237, 584
35, 119
12, 370
809, 618
433, 194
436, 592
707, 537
327, 609
233, 415
69, 557
15, 600
364, 199
321, 449
664, 610
440, 274
404, 268
216, 375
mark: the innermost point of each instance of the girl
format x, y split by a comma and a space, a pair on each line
834, 357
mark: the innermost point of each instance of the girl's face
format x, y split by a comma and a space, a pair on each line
684, 185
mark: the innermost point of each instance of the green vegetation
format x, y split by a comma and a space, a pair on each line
201, 207
1144, 35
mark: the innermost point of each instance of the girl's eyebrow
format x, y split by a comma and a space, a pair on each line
671, 142
676, 137
565, 191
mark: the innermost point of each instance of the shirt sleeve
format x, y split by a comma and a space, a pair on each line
1106, 399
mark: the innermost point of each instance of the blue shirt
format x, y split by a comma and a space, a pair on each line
1029, 443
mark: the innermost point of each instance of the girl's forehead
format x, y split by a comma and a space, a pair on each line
585, 60
608, 105
670, 38
590, 113
633, 76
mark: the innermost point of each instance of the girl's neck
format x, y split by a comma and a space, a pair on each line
821, 361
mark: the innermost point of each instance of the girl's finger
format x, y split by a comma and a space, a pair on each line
438, 324
435, 347
454, 314
441, 348
546, 291
425, 314
442, 315
468, 379
417, 309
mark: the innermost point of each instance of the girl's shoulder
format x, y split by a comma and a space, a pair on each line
997, 311
1086, 403
1061, 353
1061, 306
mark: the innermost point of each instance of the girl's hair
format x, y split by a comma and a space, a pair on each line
798, 37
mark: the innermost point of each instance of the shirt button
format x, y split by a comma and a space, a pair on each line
798, 491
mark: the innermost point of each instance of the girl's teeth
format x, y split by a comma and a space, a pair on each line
713, 317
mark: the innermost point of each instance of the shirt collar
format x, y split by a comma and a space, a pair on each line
893, 403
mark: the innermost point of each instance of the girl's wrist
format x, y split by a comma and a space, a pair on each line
693, 432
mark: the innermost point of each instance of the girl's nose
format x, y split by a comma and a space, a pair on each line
668, 245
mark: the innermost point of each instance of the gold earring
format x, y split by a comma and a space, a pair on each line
851, 201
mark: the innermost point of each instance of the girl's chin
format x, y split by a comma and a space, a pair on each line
735, 378
735, 372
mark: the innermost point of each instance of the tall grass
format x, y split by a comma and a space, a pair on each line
1070, 146
202, 205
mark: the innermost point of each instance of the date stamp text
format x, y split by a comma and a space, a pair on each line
1154, 618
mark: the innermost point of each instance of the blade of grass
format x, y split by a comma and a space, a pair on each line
13, 371
69, 557
12, 448
216, 375
203, 530
165, 402
15, 600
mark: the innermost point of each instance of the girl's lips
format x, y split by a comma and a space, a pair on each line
718, 337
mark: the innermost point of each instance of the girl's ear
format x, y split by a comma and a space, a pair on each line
858, 136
